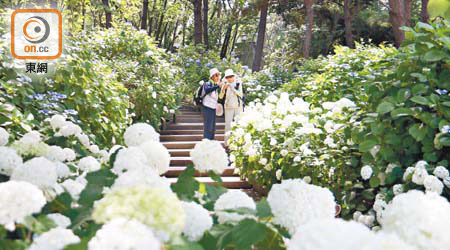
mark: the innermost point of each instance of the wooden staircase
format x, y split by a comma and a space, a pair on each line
180, 137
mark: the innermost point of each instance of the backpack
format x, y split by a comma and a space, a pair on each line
198, 96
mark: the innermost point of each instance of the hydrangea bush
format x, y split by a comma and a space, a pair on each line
374, 127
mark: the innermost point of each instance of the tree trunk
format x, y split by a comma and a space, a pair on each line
198, 31
397, 19
160, 23
174, 36
348, 24
408, 9
424, 16
107, 13
226, 41
150, 20
257, 61
144, 15
54, 4
205, 23
309, 25
235, 37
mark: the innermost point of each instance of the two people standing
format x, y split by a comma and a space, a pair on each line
228, 89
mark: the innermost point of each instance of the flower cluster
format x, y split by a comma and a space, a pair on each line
209, 155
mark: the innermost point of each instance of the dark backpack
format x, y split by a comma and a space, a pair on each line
198, 97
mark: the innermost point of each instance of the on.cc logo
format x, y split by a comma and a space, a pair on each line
36, 34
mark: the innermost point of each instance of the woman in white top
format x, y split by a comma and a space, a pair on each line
234, 103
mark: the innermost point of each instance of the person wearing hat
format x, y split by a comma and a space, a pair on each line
209, 103
234, 104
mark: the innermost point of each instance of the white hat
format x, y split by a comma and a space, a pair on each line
219, 109
213, 72
229, 72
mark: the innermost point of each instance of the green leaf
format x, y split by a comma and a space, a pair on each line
420, 100
263, 209
374, 182
186, 184
418, 131
247, 233
435, 55
367, 145
403, 95
401, 112
96, 182
385, 107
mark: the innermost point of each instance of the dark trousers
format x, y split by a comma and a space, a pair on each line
209, 122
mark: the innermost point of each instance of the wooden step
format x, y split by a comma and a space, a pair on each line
167, 138
193, 126
180, 161
190, 113
189, 132
181, 145
180, 152
230, 182
175, 171
195, 119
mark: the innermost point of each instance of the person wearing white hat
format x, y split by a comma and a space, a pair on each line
209, 103
234, 103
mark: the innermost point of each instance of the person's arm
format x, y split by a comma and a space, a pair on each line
209, 89
238, 91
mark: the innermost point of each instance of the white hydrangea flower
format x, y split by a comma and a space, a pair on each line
129, 159
157, 208
386, 241
9, 160
60, 220
89, 164
75, 187
31, 144
18, 200
38, 171
124, 234
433, 184
31, 137
198, 221
419, 175
70, 129
158, 157
419, 219
409, 171
209, 155
262, 161
421, 164
141, 177
69, 154
94, 149
62, 170
4, 137
278, 174
139, 133
397, 189
294, 202
233, 199
55, 153
284, 152
441, 172
326, 234
366, 172
447, 182
55, 239
84, 139
57, 121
